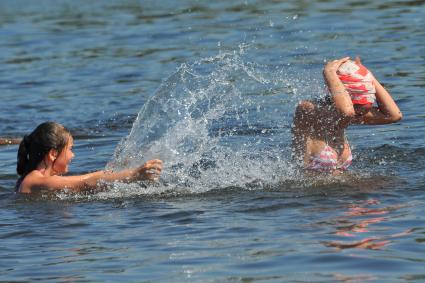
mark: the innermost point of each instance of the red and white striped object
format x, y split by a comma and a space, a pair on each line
358, 81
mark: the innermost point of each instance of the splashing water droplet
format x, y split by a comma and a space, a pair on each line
204, 123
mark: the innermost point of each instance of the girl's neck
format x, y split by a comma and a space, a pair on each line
46, 169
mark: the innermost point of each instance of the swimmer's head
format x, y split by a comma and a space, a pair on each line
358, 82
34, 147
362, 109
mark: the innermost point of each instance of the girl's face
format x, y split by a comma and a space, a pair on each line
363, 109
61, 163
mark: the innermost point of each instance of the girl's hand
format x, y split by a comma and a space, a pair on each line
150, 170
332, 66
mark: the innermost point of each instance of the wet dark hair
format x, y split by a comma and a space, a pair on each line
34, 147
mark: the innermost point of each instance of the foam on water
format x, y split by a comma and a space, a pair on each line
220, 122
208, 122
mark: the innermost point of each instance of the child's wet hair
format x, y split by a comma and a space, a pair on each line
34, 147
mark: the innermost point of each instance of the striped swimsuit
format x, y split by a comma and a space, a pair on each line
327, 161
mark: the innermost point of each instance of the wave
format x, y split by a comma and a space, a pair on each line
223, 124
394, 157
216, 125
350, 184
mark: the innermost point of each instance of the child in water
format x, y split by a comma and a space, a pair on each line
45, 154
319, 141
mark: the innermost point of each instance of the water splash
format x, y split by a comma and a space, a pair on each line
220, 122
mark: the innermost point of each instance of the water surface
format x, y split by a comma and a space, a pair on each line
210, 88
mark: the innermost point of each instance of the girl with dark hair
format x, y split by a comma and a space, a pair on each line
319, 141
45, 154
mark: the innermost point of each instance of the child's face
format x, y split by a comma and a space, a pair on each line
362, 109
64, 158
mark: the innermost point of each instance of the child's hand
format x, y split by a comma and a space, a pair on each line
332, 66
151, 170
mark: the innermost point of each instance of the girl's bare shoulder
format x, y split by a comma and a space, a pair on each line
32, 180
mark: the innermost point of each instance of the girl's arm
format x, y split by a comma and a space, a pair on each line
301, 131
340, 96
387, 111
149, 171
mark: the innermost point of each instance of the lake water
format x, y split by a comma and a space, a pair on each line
210, 88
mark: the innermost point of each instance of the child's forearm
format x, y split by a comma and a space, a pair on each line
386, 103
